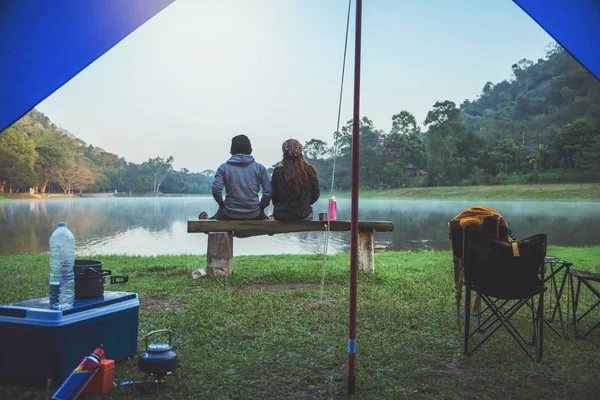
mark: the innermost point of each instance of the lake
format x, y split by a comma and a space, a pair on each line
152, 226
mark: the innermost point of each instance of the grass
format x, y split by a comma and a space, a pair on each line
543, 192
234, 342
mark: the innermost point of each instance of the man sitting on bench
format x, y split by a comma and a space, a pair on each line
242, 177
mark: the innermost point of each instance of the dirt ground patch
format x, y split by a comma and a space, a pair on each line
452, 368
155, 304
275, 287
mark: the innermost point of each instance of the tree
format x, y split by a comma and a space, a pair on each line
404, 123
538, 159
372, 163
21, 151
442, 112
83, 179
445, 131
507, 149
159, 168
573, 138
478, 175
521, 71
66, 177
487, 89
394, 175
75, 177
588, 158
55, 150
403, 144
316, 149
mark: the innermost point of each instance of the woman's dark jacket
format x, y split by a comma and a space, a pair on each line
292, 205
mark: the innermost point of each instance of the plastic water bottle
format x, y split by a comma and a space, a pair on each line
62, 260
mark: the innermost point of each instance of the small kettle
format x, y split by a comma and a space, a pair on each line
159, 359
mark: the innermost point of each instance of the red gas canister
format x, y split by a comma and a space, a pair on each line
103, 381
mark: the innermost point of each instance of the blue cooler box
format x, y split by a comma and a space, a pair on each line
38, 343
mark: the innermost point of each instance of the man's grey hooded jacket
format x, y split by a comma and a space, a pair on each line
242, 178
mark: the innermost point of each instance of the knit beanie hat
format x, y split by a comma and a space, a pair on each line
291, 148
241, 145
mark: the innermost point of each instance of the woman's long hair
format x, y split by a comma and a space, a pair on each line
298, 173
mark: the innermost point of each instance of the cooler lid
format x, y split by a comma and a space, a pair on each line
39, 309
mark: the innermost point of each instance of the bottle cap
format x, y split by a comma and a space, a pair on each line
62, 224
333, 198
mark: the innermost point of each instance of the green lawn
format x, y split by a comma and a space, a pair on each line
543, 192
249, 336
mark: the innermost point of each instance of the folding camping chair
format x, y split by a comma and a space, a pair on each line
506, 277
586, 278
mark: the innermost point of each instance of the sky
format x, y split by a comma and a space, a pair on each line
202, 71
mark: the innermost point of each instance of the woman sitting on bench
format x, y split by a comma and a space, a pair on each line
295, 185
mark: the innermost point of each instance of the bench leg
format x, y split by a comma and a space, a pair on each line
366, 253
219, 254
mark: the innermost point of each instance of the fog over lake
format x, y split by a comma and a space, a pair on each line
153, 226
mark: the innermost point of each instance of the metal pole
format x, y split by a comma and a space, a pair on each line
354, 213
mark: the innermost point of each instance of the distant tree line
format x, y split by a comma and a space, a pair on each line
38, 157
542, 125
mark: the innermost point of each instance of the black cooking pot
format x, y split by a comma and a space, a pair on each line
90, 279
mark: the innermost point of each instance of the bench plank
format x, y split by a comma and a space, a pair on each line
270, 226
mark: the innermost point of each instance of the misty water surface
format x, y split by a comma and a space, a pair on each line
152, 226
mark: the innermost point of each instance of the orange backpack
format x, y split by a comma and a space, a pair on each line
476, 221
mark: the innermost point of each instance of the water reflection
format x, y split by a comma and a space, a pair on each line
151, 226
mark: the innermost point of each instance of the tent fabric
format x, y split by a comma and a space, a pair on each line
574, 24
46, 43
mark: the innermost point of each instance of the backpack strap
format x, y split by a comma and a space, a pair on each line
515, 249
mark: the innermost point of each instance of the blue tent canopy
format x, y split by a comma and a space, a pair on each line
574, 24
45, 43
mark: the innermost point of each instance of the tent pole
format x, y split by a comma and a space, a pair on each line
354, 214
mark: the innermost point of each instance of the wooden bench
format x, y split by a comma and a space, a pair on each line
219, 254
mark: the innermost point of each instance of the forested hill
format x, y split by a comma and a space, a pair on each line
541, 125
541, 99
39, 157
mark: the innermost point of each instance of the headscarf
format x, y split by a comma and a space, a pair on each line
291, 148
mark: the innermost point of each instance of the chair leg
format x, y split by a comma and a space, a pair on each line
597, 294
539, 353
592, 328
572, 322
533, 321
479, 317
467, 320
575, 306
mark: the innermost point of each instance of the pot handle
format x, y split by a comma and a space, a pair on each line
94, 271
115, 279
156, 332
